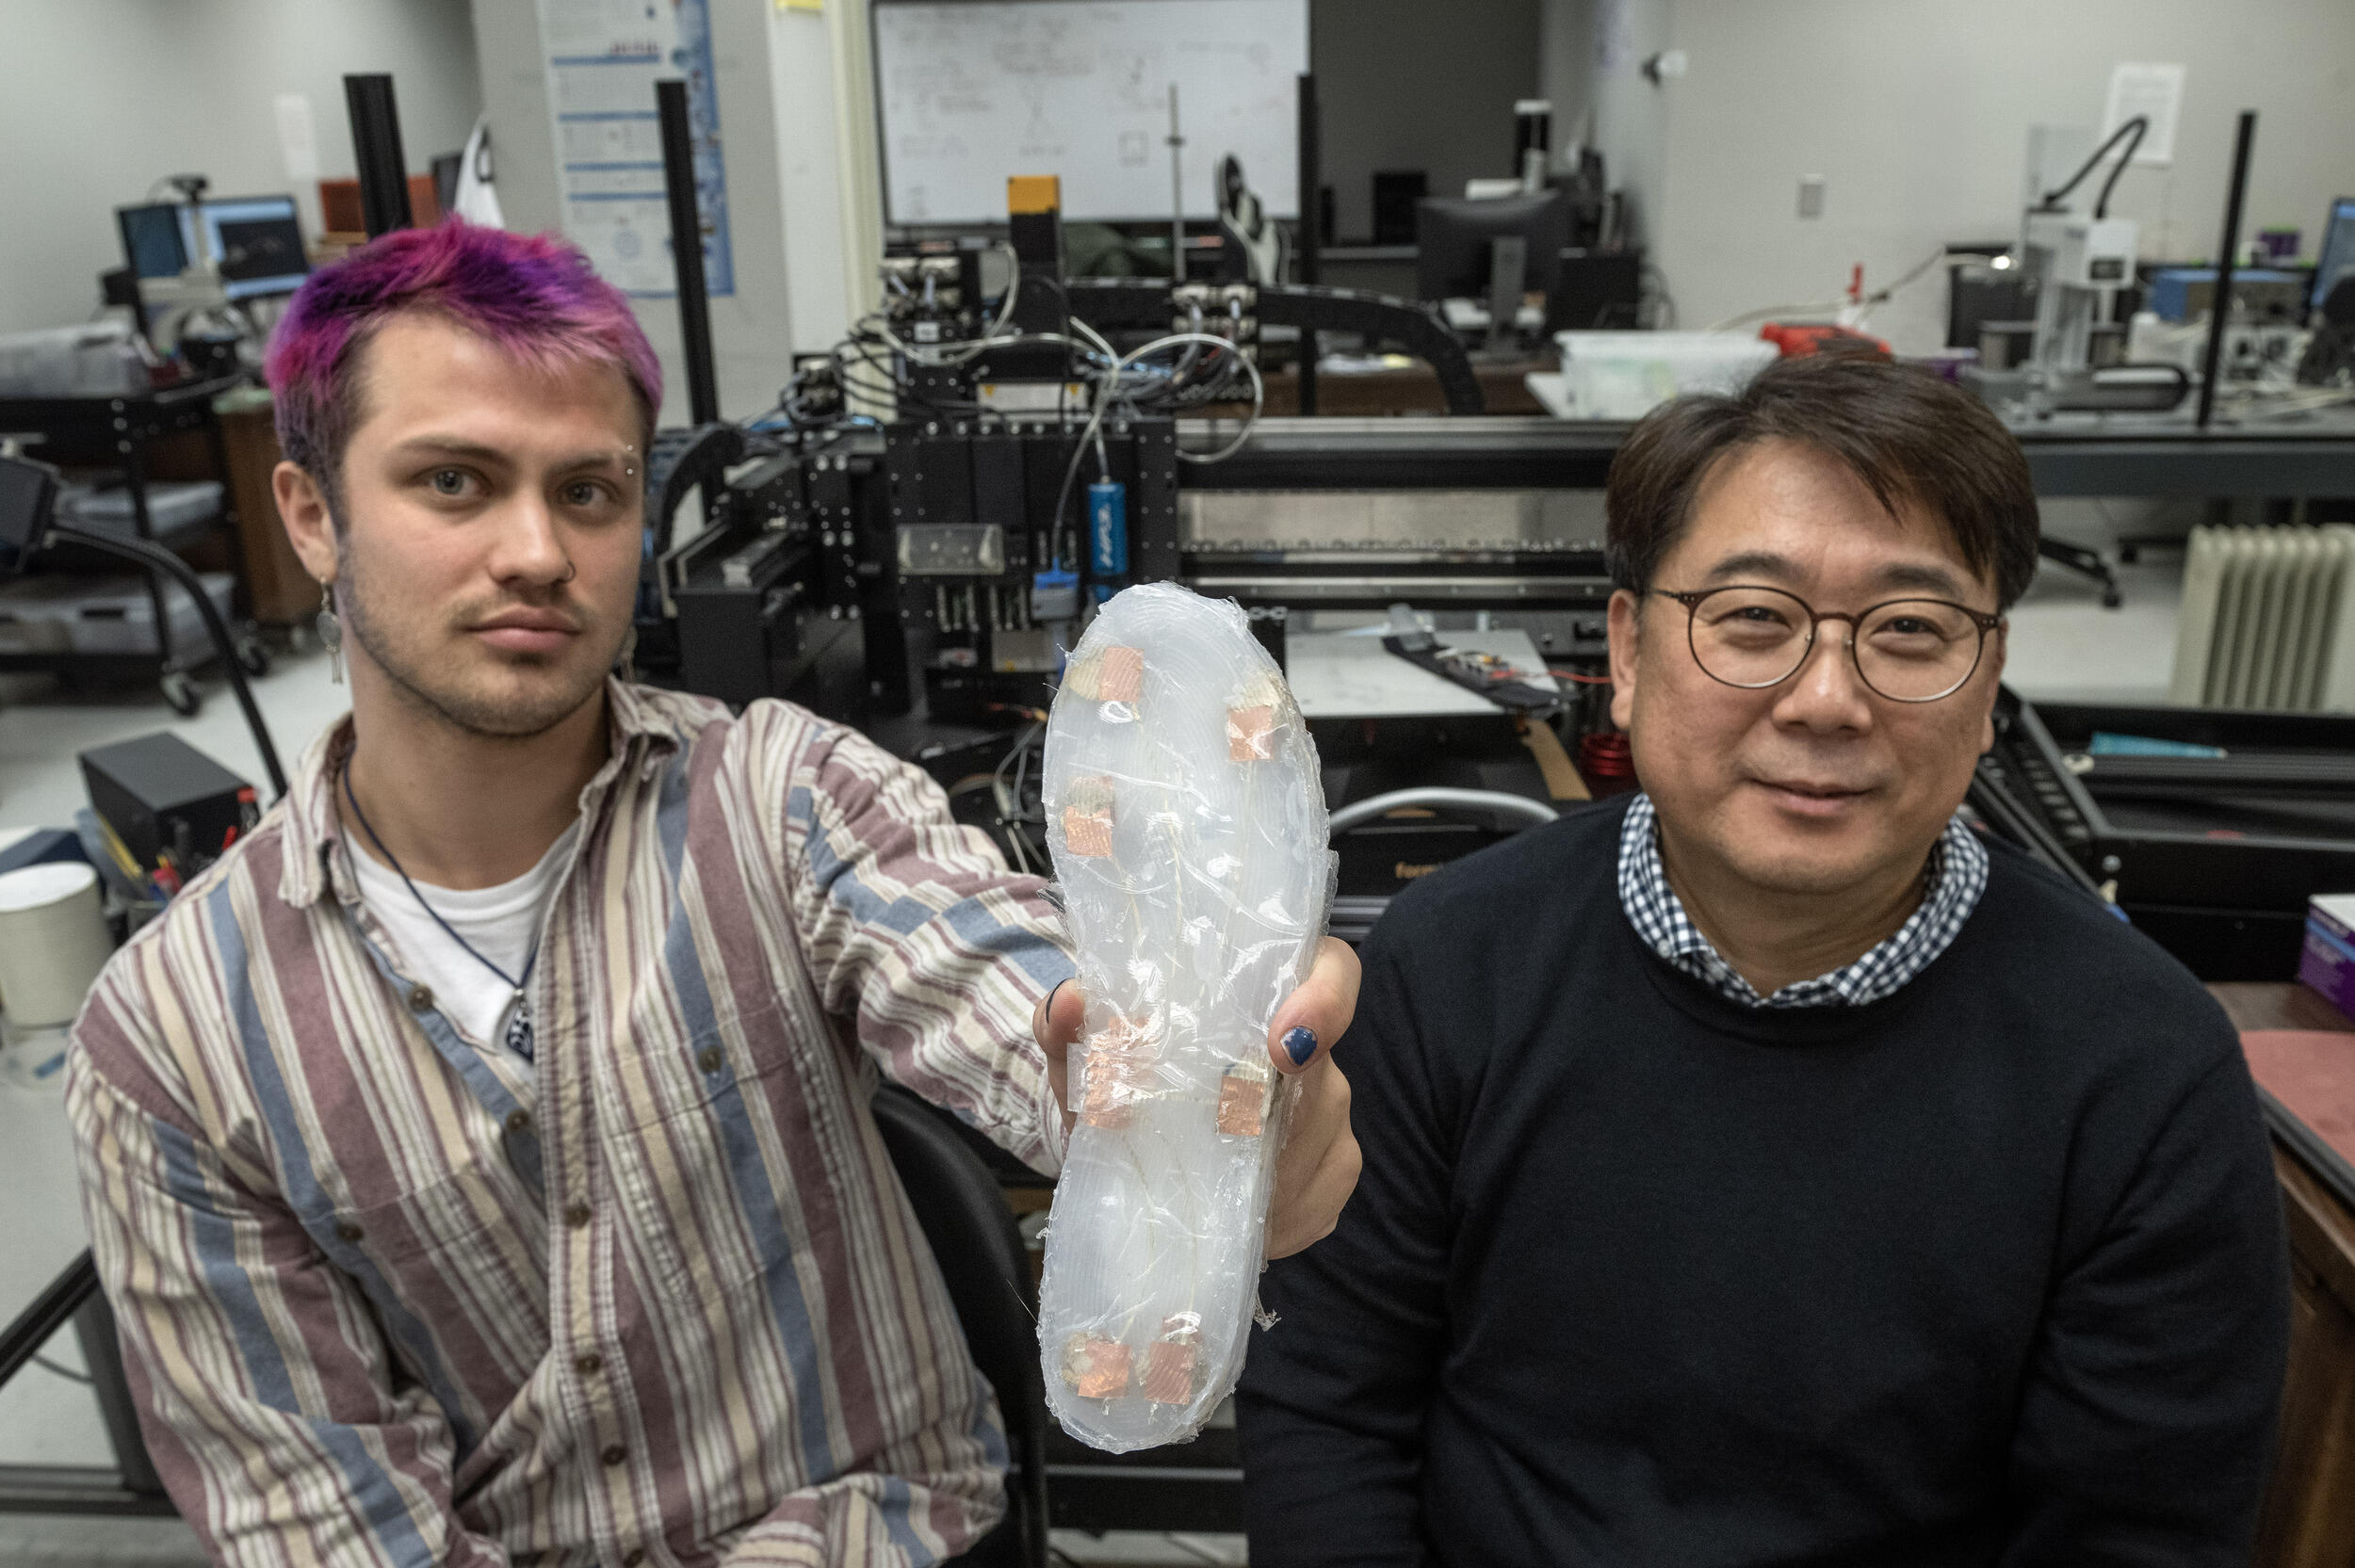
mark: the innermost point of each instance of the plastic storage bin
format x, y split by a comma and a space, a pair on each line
101, 359
36, 614
115, 615
1627, 375
171, 505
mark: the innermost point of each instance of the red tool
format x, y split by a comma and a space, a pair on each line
1794, 340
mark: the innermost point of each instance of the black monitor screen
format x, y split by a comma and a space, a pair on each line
269, 248
2338, 249
257, 244
1455, 237
154, 241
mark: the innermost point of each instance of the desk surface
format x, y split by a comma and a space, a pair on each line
2302, 1080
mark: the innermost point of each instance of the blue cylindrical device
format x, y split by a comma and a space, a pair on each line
1108, 529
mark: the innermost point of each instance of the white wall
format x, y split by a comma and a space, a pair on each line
1631, 115
104, 97
775, 78
1565, 44
1409, 84
1917, 114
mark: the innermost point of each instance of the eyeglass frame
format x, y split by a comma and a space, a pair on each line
1691, 599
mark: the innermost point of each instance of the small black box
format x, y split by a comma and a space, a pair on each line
157, 793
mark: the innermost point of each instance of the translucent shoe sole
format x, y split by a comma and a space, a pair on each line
1186, 815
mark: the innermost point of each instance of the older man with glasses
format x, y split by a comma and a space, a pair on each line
1766, 1168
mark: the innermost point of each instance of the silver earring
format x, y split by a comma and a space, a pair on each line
330, 635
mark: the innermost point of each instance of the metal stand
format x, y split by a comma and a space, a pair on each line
1309, 235
2211, 362
687, 249
1176, 193
376, 144
2078, 559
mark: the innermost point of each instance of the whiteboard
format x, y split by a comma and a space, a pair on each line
972, 92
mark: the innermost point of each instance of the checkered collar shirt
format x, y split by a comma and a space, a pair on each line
1958, 874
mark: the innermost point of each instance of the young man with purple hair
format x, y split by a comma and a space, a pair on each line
477, 1157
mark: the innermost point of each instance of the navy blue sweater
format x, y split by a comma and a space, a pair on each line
1990, 1271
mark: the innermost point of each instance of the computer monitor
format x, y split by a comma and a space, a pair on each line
2338, 249
157, 238
256, 241
1457, 240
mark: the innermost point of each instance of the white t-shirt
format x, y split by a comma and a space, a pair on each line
501, 922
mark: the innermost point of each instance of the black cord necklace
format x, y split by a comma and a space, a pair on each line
518, 1038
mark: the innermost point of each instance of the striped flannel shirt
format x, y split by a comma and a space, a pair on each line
388, 1295
1957, 877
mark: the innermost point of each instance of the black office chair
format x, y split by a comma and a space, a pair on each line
981, 1255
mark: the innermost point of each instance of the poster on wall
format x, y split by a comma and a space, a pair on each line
604, 57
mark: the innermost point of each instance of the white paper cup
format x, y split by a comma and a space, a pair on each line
53, 941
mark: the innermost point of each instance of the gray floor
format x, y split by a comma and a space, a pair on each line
2062, 644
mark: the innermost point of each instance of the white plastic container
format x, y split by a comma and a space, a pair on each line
100, 358
1627, 375
35, 613
53, 941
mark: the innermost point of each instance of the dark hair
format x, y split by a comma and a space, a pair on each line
1908, 435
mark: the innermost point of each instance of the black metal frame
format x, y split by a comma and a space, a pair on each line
2212, 358
2066, 458
132, 1487
687, 255
376, 146
1308, 230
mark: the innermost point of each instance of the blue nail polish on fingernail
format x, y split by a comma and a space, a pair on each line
1300, 1043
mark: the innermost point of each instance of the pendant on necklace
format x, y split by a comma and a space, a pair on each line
519, 1026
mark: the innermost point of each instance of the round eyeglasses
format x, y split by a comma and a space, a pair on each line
1906, 650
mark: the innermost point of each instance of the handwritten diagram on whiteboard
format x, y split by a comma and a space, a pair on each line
972, 92
604, 57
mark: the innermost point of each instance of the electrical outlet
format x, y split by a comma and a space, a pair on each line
1810, 196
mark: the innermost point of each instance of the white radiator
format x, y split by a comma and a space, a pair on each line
2268, 620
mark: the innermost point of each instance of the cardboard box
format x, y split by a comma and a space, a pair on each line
2327, 965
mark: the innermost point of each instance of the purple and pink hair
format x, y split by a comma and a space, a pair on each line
534, 296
